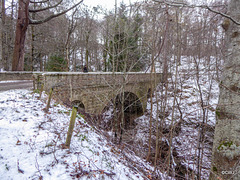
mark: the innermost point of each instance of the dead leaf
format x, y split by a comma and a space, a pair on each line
18, 142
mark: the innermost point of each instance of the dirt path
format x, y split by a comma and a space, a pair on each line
7, 85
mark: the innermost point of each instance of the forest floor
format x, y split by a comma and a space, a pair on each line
191, 118
31, 144
32, 141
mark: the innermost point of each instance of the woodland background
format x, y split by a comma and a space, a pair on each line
185, 41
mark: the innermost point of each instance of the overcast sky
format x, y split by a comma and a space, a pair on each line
109, 4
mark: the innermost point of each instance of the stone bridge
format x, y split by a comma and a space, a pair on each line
94, 91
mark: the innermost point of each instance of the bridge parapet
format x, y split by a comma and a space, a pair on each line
96, 79
96, 90
15, 75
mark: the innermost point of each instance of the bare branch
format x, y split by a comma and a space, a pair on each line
172, 3
27, 15
222, 14
46, 8
182, 4
38, 2
35, 22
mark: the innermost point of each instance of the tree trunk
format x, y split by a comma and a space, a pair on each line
21, 29
226, 146
33, 41
4, 37
165, 55
87, 51
105, 51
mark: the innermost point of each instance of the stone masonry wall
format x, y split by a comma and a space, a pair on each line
95, 90
13, 75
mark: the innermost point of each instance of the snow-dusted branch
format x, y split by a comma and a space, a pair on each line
184, 4
35, 22
39, 2
222, 14
46, 8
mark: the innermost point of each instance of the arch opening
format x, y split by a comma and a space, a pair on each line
131, 103
149, 93
112, 113
79, 104
132, 108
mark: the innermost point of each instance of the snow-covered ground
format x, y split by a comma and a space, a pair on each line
196, 83
31, 143
13, 81
195, 120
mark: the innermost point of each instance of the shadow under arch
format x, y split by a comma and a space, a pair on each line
78, 103
111, 115
131, 103
132, 108
149, 93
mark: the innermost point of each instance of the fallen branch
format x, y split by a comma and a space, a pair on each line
19, 170
38, 169
82, 173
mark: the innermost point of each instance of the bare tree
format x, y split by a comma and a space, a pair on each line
4, 38
71, 29
23, 22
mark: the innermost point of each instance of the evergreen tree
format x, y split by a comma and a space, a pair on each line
124, 48
57, 63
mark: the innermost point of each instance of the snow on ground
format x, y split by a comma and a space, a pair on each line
31, 140
31, 143
12, 81
192, 113
189, 100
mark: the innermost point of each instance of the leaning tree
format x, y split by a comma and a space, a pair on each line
226, 146
24, 21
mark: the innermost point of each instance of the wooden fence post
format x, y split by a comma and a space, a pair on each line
41, 90
49, 99
71, 126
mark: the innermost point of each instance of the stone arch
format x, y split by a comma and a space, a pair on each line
133, 108
132, 103
149, 92
78, 103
